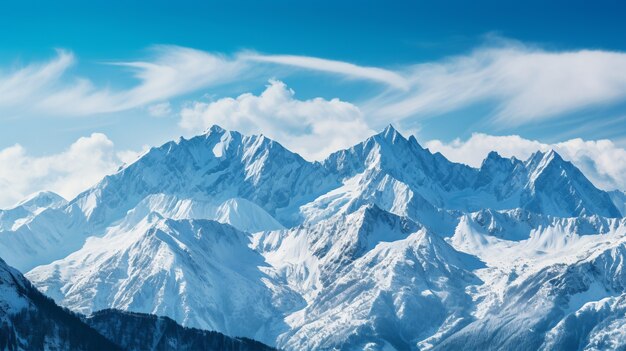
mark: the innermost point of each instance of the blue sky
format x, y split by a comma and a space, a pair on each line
140, 73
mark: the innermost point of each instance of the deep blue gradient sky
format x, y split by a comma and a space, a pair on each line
385, 34
365, 32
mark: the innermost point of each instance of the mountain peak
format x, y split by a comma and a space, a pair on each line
494, 159
390, 128
43, 199
559, 188
540, 161
553, 155
547, 156
494, 155
214, 129
390, 134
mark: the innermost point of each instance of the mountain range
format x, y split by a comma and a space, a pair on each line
31, 321
381, 246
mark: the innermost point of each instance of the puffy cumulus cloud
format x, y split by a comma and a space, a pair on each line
603, 162
67, 173
524, 83
313, 128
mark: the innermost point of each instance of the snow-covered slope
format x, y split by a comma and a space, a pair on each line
26, 210
545, 183
556, 187
312, 255
216, 166
546, 307
198, 272
240, 213
40, 230
384, 245
619, 199
31, 321
597, 325
394, 295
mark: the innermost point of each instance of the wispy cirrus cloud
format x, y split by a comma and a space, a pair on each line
524, 84
162, 109
22, 84
172, 71
380, 75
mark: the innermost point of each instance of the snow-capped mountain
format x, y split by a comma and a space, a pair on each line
31, 321
39, 230
384, 245
573, 303
199, 272
545, 183
215, 167
26, 210
22, 307
376, 280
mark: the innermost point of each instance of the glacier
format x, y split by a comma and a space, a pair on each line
381, 246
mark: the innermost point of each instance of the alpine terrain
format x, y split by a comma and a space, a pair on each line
382, 246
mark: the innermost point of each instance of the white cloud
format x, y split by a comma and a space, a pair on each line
381, 75
50, 88
26, 82
313, 128
525, 83
603, 162
67, 173
163, 109
474, 150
